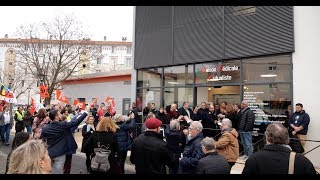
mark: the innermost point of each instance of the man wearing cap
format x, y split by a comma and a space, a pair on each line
149, 152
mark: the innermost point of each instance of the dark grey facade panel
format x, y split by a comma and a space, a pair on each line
198, 34
269, 30
206, 33
153, 37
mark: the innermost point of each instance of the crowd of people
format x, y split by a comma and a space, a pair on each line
201, 140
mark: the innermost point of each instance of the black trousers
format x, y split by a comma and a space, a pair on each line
231, 164
67, 164
123, 156
88, 162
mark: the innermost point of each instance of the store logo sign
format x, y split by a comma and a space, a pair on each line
219, 78
223, 69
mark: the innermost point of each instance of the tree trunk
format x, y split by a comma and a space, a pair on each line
47, 101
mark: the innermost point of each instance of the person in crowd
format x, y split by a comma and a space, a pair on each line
18, 117
212, 162
173, 112
123, 136
39, 122
100, 111
94, 113
87, 130
187, 114
231, 114
19, 139
28, 119
276, 157
143, 127
174, 141
162, 116
288, 114
104, 136
209, 121
147, 109
223, 107
203, 111
299, 122
149, 152
153, 108
65, 112
246, 125
228, 145
6, 123
192, 152
208, 105
22, 162
217, 110
59, 138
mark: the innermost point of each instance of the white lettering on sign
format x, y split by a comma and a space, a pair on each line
221, 78
211, 70
224, 68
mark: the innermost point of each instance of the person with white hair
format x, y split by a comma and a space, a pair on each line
192, 151
228, 145
126, 125
212, 163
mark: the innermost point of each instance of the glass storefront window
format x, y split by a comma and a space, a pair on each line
178, 96
144, 96
267, 69
268, 102
149, 78
218, 72
178, 75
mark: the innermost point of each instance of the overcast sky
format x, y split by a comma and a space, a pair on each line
114, 22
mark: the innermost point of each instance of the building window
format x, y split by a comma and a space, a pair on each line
113, 49
99, 60
128, 50
178, 96
149, 77
178, 75
55, 59
128, 61
113, 60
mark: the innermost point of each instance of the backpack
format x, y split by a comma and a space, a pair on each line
100, 162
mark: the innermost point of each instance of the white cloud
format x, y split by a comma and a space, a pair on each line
114, 22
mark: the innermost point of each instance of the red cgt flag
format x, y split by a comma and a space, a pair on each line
81, 105
44, 91
75, 102
61, 97
94, 102
33, 106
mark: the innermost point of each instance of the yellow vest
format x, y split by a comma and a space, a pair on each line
19, 116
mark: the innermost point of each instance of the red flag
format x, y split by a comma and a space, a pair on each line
82, 105
61, 97
94, 102
44, 91
33, 106
112, 107
75, 102
108, 99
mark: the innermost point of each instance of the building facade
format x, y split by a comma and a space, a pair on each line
116, 85
229, 53
113, 56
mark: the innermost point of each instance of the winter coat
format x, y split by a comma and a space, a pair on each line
106, 139
59, 137
162, 117
85, 135
234, 119
183, 112
247, 119
213, 163
28, 118
123, 135
274, 159
38, 125
228, 145
191, 155
150, 154
202, 114
174, 141
300, 119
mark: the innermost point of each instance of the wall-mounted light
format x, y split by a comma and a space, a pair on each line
174, 83
209, 89
268, 75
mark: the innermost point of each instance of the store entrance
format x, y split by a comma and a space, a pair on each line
218, 94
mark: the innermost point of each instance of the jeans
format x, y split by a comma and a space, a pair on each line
246, 139
58, 164
29, 129
5, 133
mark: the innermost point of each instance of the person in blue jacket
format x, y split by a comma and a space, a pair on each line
299, 122
59, 138
193, 150
124, 136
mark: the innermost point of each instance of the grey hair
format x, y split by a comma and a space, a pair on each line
196, 125
227, 122
208, 143
277, 134
174, 125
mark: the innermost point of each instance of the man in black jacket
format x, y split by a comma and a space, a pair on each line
245, 129
274, 158
187, 114
212, 163
149, 152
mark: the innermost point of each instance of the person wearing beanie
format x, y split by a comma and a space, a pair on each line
149, 152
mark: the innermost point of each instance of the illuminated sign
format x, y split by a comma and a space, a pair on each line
223, 68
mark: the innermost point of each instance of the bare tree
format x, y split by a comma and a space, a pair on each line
54, 51
114, 65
